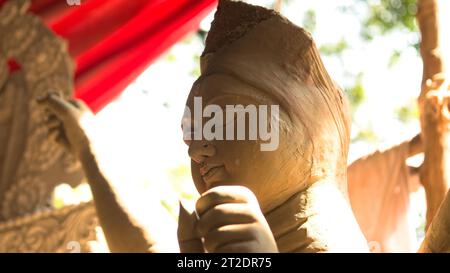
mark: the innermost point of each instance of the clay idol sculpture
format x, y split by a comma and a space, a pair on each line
254, 56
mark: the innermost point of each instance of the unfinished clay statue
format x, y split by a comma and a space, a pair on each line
253, 56
291, 199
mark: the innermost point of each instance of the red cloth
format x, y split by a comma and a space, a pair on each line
112, 42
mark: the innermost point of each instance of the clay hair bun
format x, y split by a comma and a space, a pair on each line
232, 20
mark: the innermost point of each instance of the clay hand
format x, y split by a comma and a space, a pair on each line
68, 122
230, 220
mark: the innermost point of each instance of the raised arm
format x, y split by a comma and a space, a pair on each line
68, 124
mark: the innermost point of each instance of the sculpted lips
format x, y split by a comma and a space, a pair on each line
212, 173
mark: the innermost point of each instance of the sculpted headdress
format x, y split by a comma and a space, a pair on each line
264, 49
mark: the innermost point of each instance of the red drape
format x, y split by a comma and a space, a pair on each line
112, 42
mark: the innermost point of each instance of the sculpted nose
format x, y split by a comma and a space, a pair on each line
200, 150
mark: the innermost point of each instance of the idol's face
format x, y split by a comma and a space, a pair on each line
271, 175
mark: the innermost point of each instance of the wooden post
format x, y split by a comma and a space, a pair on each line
434, 111
277, 5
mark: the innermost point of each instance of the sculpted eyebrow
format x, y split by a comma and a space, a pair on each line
255, 89
272, 96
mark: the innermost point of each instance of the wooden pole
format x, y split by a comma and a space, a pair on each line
277, 5
434, 111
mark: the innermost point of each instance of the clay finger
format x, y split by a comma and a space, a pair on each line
237, 247
218, 239
56, 105
79, 104
221, 195
222, 215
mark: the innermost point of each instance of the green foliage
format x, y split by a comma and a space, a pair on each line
387, 15
170, 57
195, 72
178, 176
334, 49
382, 17
408, 112
366, 134
356, 93
420, 229
168, 207
309, 20
395, 57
